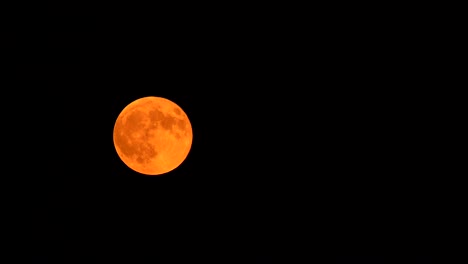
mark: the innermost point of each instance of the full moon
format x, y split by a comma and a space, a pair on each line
152, 135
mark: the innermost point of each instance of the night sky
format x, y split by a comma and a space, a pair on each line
303, 151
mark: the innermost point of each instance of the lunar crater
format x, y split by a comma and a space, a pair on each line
176, 111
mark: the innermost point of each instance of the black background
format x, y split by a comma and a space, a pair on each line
305, 149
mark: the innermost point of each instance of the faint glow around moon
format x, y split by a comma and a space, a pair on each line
152, 135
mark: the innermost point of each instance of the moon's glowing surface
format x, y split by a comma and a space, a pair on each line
152, 135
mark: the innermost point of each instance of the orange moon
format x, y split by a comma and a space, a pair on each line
152, 135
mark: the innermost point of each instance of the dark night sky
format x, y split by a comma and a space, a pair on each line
301, 144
